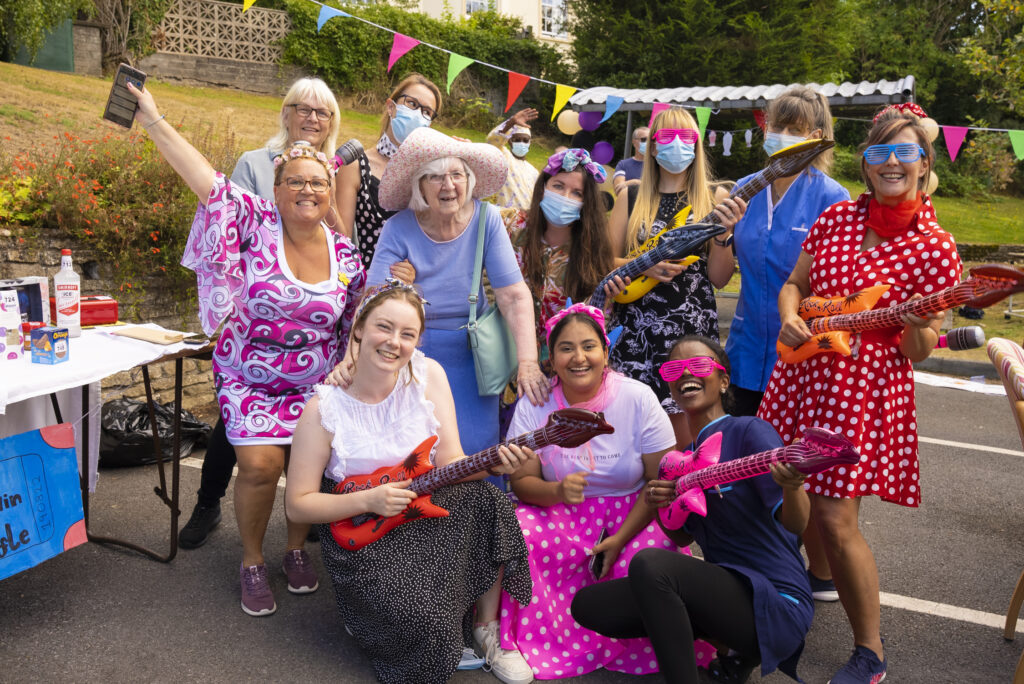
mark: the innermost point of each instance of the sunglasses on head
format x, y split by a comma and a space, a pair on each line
905, 152
667, 135
699, 366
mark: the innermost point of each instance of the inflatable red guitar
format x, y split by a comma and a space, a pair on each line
833, 320
569, 427
819, 450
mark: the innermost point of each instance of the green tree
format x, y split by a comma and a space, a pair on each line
657, 44
26, 23
996, 54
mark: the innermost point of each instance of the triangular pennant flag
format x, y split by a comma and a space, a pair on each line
456, 63
703, 114
954, 136
656, 109
516, 83
1017, 140
611, 105
759, 119
246, 4
326, 14
562, 95
399, 46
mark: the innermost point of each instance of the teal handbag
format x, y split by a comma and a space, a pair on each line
490, 340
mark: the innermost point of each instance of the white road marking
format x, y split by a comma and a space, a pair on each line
974, 447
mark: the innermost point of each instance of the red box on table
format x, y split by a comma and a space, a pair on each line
96, 310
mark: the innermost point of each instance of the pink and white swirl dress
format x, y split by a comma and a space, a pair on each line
281, 336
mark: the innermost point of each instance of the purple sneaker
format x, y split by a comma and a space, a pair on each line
299, 569
257, 599
863, 667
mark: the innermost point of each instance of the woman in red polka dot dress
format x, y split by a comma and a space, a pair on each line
887, 235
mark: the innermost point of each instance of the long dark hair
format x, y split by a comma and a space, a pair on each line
720, 356
590, 250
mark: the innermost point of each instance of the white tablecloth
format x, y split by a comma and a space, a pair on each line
25, 386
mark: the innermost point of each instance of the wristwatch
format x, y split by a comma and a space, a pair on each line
724, 243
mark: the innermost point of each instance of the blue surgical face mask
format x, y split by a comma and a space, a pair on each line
560, 210
520, 149
405, 121
642, 147
675, 157
773, 142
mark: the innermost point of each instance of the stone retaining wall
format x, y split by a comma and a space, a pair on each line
254, 77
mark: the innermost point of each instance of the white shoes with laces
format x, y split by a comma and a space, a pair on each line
508, 666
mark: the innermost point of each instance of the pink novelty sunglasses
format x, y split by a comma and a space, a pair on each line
700, 366
666, 135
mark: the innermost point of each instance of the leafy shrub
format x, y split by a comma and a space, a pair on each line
351, 57
115, 196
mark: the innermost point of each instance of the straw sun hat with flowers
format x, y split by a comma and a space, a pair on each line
425, 145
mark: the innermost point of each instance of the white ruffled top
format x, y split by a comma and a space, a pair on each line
369, 436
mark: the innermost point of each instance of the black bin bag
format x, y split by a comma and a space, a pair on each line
127, 440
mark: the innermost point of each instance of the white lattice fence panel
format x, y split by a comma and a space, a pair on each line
220, 29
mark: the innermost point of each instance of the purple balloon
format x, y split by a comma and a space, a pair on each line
589, 121
603, 152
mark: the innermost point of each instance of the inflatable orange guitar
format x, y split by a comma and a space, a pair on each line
833, 320
569, 427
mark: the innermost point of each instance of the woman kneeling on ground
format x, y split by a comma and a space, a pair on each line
408, 597
750, 592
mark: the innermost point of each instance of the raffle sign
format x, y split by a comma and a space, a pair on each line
40, 498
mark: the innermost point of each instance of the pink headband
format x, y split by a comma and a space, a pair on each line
910, 107
590, 311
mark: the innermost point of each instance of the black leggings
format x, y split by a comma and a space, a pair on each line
217, 466
672, 599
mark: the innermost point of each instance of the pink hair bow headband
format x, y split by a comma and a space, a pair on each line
590, 311
570, 159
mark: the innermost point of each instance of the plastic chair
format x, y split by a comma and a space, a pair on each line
1008, 358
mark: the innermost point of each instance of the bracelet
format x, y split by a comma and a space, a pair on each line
723, 243
159, 118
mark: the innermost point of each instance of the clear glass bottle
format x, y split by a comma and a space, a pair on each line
67, 288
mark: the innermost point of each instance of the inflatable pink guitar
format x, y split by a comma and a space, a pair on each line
694, 472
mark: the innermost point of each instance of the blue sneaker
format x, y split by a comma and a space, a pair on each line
863, 667
822, 590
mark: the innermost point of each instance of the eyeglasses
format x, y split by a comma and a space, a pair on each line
304, 111
414, 104
456, 177
700, 367
315, 184
666, 135
905, 152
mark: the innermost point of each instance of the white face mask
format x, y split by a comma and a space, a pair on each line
773, 142
520, 149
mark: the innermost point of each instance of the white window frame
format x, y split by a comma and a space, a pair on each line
550, 24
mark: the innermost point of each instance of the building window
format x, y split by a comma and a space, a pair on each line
477, 6
553, 18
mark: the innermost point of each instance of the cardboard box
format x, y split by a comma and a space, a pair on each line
33, 296
50, 345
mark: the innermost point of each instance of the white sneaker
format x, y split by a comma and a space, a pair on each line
470, 660
508, 666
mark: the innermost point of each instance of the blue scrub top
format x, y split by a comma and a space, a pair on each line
768, 243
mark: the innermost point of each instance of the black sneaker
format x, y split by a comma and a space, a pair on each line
198, 528
729, 669
822, 590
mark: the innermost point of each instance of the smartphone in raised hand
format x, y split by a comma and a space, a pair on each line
121, 104
597, 560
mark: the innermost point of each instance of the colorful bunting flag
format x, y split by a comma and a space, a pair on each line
399, 46
1017, 140
562, 95
326, 14
246, 4
456, 64
703, 114
759, 120
516, 83
656, 109
954, 136
611, 105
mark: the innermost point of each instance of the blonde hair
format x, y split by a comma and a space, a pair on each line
411, 79
308, 89
648, 197
804, 108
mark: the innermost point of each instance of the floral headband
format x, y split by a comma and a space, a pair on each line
570, 159
388, 285
304, 150
590, 311
909, 107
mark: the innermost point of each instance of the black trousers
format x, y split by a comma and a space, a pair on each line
217, 466
745, 402
673, 599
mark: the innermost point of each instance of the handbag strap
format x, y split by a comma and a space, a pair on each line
474, 292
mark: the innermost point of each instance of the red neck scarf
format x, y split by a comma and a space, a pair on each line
890, 222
